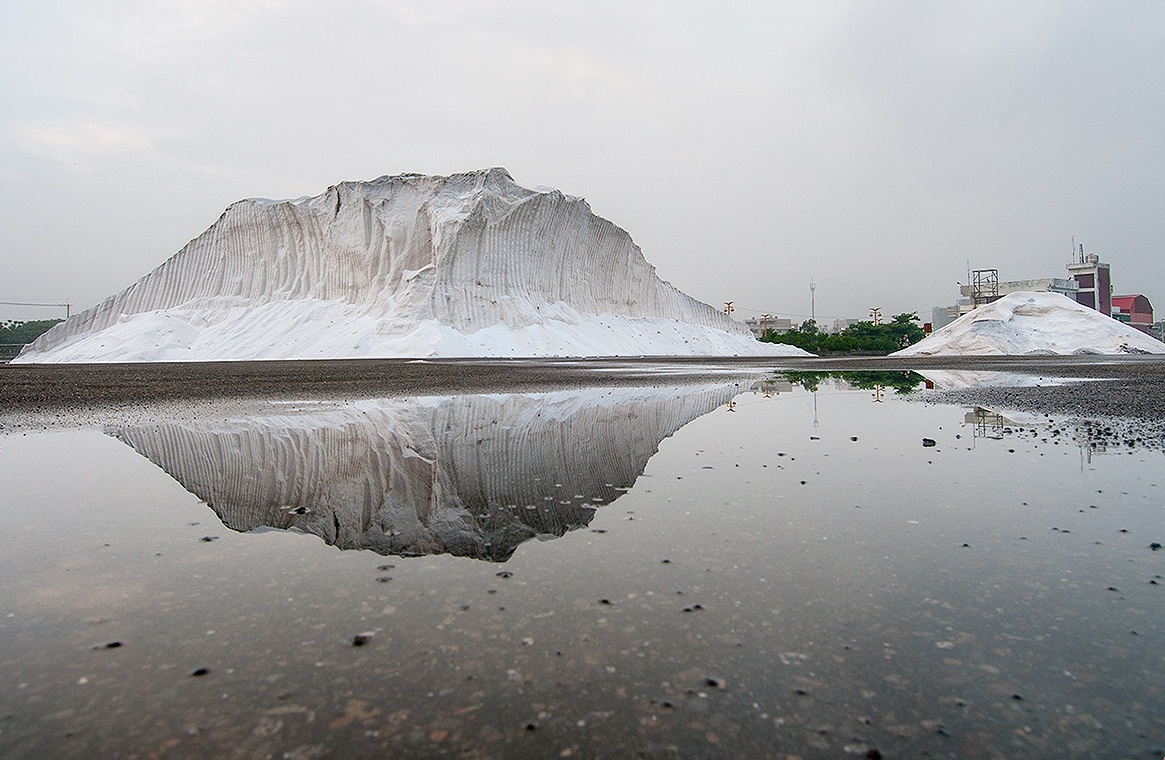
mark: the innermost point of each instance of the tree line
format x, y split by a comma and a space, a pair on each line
12, 331
901, 331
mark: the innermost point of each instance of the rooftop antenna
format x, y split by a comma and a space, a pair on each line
812, 300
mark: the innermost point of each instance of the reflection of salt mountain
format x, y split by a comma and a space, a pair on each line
467, 475
466, 265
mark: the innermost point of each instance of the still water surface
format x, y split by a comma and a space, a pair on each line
710, 571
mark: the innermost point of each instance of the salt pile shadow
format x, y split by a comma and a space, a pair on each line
472, 476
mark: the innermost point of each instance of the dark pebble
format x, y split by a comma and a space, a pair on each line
504, 574
208, 538
928, 442
113, 645
360, 639
605, 602
200, 672
1154, 546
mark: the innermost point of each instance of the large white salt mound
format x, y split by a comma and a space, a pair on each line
407, 266
1034, 323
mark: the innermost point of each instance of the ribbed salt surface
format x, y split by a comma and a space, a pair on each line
387, 475
1034, 323
414, 266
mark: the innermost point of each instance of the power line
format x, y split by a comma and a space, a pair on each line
67, 307
784, 313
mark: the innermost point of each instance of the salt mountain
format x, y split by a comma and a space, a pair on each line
466, 265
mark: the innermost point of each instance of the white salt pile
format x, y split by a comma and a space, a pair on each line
468, 265
1034, 323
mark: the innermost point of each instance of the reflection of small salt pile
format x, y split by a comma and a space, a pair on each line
959, 379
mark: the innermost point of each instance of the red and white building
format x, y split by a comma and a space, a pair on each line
1135, 311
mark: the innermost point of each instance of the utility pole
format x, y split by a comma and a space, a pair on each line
812, 300
728, 308
765, 321
876, 314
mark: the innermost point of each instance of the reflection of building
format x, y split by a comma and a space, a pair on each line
1135, 311
772, 387
986, 423
774, 324
1094, 282
1158, 331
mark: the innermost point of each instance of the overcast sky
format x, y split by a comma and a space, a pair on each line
748, 147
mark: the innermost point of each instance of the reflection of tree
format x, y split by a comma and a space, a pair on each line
872, 380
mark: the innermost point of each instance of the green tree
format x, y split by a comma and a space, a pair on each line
899, 332
12, 331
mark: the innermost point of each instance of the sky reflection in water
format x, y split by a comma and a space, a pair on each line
791, 573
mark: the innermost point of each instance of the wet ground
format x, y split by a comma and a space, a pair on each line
778, 564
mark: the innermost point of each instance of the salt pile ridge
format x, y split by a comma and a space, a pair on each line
406, 266
1034, 323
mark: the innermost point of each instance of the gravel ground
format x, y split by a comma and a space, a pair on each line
48, 395
1128, 391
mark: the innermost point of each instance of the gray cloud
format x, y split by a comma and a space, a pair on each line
876, 147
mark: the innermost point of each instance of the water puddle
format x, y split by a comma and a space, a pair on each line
790, 565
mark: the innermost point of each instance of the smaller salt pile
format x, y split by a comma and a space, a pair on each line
1034, 323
